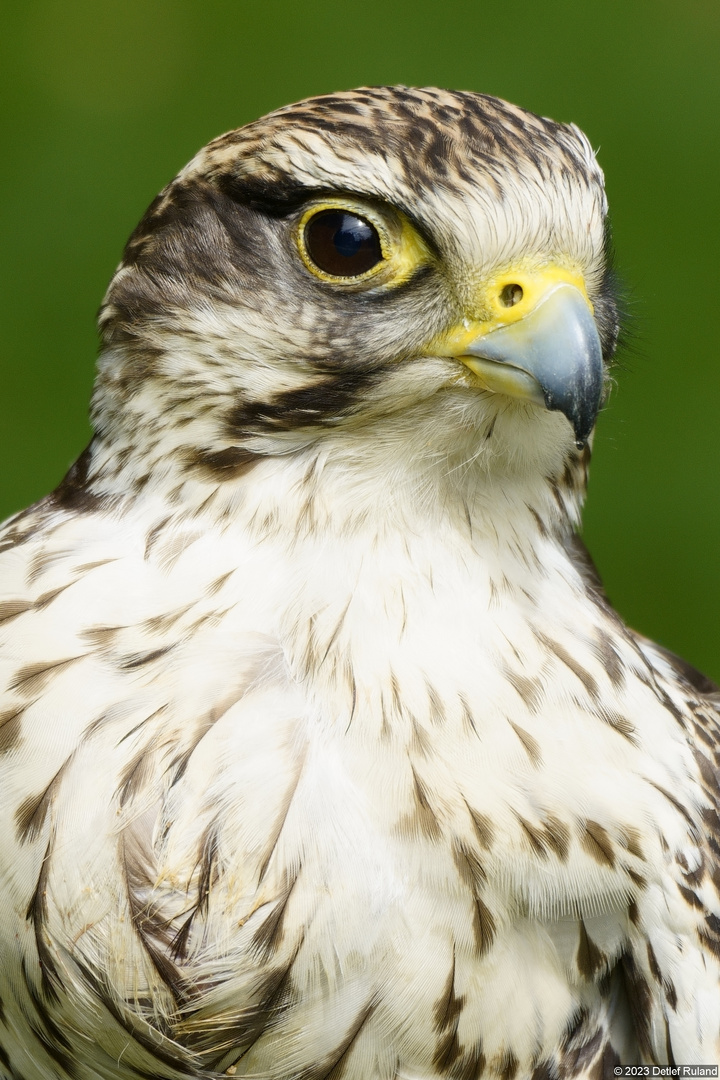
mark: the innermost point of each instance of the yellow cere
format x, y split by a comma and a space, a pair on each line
504, 299
404, 251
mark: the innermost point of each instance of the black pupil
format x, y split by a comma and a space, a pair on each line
342, 244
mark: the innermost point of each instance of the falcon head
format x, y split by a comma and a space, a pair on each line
415, 278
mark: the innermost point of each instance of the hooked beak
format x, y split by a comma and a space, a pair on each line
546, 349
557, 346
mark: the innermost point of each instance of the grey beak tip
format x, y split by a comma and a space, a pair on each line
580, 410
559, 346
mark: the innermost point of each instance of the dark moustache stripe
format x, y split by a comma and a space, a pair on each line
321, 404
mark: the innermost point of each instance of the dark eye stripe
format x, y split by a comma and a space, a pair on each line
342, 244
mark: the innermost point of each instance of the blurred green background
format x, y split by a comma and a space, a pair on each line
104, 100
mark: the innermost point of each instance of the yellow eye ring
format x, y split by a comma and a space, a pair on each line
343, 242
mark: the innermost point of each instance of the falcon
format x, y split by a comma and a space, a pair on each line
323, 754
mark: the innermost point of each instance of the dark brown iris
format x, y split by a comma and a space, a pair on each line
342, 244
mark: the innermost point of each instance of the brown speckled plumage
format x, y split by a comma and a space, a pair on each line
323, 754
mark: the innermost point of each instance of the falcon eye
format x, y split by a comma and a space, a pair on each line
342, 244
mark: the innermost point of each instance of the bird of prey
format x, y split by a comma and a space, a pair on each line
323, 754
